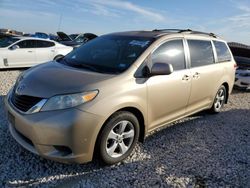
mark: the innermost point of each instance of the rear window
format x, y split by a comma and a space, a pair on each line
201, 52
222, 51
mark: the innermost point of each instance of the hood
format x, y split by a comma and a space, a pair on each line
53, 78
63, 36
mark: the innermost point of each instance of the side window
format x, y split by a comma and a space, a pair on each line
27, 44
201, 53
222, 51
171, 52
44, 44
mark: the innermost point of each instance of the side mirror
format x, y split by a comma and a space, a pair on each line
161, 69
14, 47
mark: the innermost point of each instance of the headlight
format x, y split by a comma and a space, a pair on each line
68, 101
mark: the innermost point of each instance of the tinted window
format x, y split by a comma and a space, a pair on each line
171, 52
44, 44
222, 51
201, 52
27, 44
108, 54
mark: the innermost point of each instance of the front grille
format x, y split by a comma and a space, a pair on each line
24, 102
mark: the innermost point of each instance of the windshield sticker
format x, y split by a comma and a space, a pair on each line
139, 43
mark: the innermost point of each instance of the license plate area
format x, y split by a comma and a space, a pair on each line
11, 119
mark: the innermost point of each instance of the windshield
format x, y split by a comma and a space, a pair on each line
108, 54
7, 41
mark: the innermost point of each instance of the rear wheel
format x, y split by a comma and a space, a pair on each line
58, 57
118, 137
219, 100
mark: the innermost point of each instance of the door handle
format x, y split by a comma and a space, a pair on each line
52, 50
196, 75
186, 77
30, 51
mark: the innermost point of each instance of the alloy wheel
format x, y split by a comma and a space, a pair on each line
120, 139
219, 100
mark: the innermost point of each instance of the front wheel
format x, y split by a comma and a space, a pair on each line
219, 100
118, 138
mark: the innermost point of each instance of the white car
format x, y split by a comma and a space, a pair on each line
29, 51
242, 79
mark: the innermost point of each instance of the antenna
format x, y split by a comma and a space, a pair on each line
59, 24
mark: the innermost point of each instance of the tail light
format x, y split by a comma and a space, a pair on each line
235, 66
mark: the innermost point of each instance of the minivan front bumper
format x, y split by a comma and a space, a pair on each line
67, 135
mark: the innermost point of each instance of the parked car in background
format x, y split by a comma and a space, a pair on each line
41, 35
3, 35
242, 77
106, 95
73, 36
53, 37
29, 51
241, 54
77, 41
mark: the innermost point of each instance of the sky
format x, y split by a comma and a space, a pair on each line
230, 19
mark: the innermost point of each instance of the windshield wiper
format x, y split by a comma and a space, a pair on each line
82, 65
89, 67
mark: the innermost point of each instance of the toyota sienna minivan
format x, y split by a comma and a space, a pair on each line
105, 96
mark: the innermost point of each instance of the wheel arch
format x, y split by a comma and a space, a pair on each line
138, 114
225, 84
58, 56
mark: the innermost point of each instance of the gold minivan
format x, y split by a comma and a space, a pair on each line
105, 96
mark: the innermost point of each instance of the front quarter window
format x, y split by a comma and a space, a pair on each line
171, 52
108, 54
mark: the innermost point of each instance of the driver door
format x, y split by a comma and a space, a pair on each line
168, 94
24, 55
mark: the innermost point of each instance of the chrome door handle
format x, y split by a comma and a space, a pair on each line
186, 77
196, 75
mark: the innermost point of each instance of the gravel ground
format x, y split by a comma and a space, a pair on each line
199, 151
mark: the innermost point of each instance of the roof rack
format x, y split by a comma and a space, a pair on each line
185, 30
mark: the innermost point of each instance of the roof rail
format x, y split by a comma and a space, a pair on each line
186, 30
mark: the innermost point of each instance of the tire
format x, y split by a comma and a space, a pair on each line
118, 137
219, 100
58, 57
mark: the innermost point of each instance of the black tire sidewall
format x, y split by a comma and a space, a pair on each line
57, 57
117, 117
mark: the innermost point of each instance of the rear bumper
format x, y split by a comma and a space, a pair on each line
64, 135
